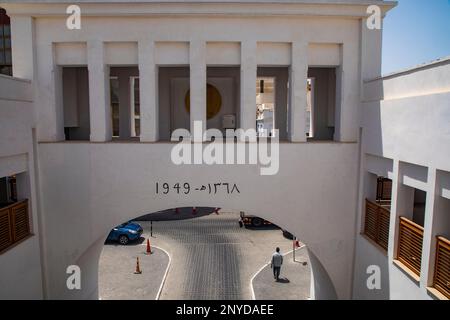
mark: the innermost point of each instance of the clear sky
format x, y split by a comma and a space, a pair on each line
416, 31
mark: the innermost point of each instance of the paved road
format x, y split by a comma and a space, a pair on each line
212, 258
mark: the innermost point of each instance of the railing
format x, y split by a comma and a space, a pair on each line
410, 242
441, 280
14, 224
376, 223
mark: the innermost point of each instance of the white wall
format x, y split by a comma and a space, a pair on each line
20, 266
92, 187
406, 123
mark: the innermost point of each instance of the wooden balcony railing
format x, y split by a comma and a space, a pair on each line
441, 280
14, 224
376, 223
410, 242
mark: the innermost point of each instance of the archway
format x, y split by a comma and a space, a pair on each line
204, 254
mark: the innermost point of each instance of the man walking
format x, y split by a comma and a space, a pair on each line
275, 264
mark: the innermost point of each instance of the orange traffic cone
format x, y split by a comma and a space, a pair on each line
138, 269
149, 249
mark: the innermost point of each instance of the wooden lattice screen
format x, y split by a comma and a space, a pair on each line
376, 225
442, 267
410, 245
14, 224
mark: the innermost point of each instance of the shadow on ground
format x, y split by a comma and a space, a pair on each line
130, 243
177, 214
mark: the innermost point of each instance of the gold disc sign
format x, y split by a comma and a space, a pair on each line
213, 101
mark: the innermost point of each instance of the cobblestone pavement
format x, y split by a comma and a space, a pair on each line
212, 258
294, 281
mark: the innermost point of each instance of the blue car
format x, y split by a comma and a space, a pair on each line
126, 232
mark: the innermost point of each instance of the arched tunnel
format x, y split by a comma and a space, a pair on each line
206, 253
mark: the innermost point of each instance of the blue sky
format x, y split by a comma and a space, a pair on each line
416, 31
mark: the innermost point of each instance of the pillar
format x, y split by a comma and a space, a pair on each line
148, 93
297, 91
248, 85
197, 59
124, 106
99, 93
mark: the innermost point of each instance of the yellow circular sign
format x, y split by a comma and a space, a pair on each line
213, 101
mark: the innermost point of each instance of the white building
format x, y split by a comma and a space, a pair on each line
59, 122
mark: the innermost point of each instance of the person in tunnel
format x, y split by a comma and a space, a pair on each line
276, 262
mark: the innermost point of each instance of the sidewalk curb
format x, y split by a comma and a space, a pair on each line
158, 295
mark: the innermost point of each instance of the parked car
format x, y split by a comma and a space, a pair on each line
253, 221
287, 234
126, 232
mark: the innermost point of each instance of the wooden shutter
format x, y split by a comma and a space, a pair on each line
14, 224
370, 224
20, 221
410, 245
6, 238
376, 224
442, 267
384, 217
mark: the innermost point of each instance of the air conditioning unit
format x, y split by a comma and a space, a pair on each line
229, 121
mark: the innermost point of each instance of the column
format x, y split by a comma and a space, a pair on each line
430, 228
22, 45
297, 91
348, 94
124, 106
148, 93
393, 225
248, 85
197, 59
99, 93
371, 44
402, 205
132, 103
49, 96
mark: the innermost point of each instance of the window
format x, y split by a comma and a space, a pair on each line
76, 103
410, 236
5, 44
321, 103
114, 81
265, 106
384, 190
377, 215
14, 219
136, 120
